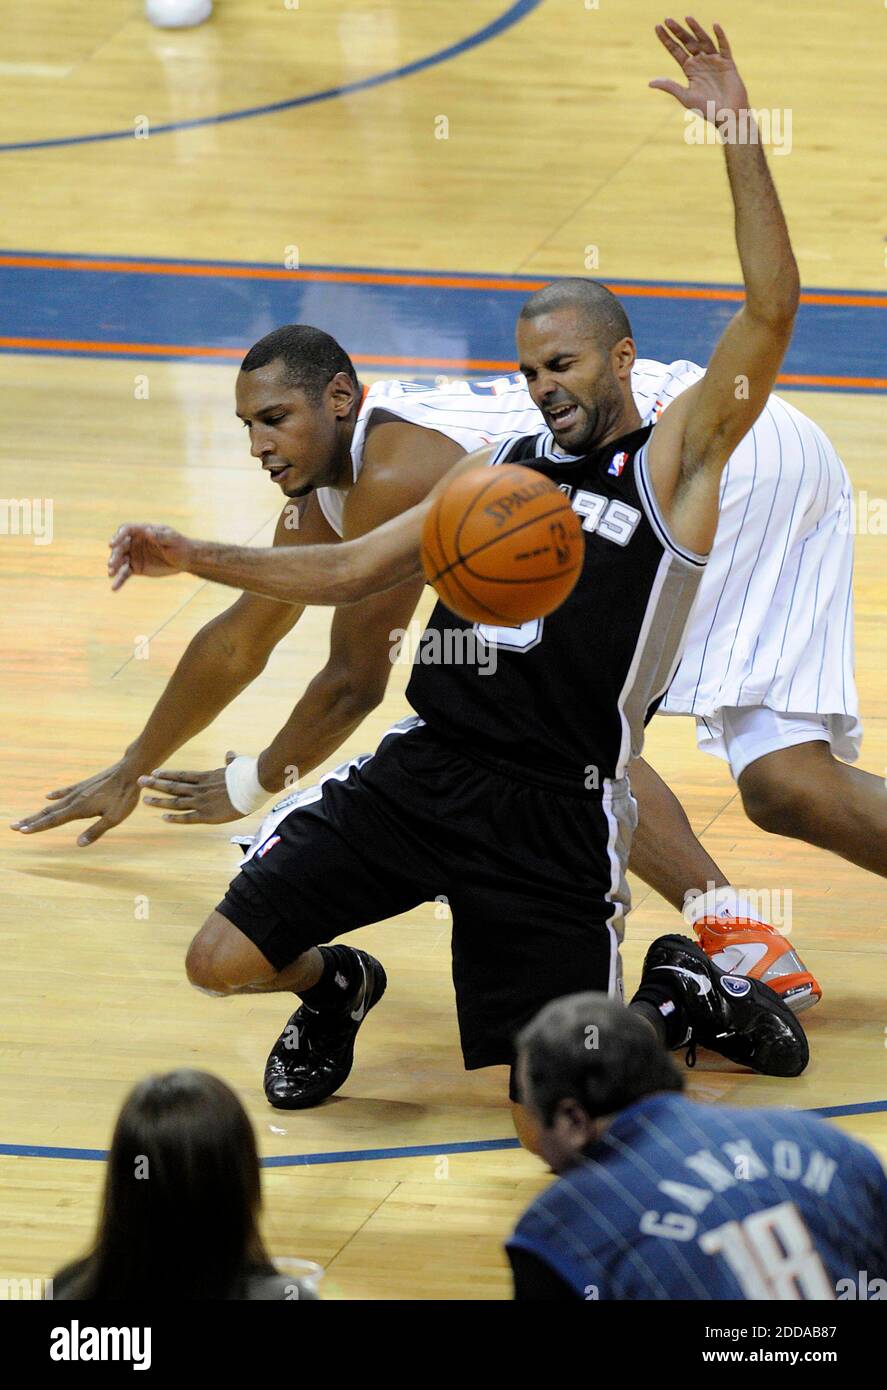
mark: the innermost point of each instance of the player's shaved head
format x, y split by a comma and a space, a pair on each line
589, 1049
309, 357
575, 349
598, 307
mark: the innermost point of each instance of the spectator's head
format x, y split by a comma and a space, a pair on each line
584, 1058
298, 394
182, 1196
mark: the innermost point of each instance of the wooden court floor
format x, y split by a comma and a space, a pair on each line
553, 136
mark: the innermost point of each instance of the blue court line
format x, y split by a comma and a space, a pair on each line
472, 1146
404, 322
521, 283
866, 1107
512, 15
289, 1160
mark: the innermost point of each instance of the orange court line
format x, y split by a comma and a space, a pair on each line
376, 277
197, 350
369, 359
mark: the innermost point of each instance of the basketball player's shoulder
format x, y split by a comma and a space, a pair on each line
405, 448
401, 463
522, 447
387, 433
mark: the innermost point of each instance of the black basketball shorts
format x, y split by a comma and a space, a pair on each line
532, 875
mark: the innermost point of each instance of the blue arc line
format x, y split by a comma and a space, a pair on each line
512, 15
472, 1146
289, 1160
866, 1107
831, 1112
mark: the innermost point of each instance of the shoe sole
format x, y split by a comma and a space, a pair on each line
805, 998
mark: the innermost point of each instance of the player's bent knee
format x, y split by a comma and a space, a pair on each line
789, 791
774, 805
200, 968
222, 961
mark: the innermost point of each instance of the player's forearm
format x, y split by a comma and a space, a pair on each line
316, 574
331, 708
769, 269
208, 677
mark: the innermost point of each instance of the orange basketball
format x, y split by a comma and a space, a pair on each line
502, 545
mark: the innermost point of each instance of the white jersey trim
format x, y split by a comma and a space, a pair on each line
647, 494
306, 796
323, 501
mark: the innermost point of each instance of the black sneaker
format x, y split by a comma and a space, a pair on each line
744, 1020
315, 1052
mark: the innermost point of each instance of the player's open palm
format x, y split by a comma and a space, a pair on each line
110, 796
714, 83
151, 551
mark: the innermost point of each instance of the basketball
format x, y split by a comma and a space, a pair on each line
502, 545
177, 14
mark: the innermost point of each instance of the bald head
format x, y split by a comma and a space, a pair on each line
599, 309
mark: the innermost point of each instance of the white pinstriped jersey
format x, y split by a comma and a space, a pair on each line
773, 621
472, 413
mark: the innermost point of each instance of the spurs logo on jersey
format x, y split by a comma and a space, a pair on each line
573, 691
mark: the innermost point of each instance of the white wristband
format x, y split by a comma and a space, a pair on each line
245, 791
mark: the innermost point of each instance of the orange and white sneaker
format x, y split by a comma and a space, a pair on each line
743, 946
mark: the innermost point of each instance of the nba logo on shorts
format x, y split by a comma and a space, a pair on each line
617, 464
269, 844
735, 985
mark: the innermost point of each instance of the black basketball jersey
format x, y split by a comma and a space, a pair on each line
564, 699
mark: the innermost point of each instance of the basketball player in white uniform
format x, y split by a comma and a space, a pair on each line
768, 666
375, 842
767, 669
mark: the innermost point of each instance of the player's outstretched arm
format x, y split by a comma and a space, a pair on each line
701, 429
363, 642
221, 659
316, 575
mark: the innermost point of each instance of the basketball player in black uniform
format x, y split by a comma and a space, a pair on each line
508, 792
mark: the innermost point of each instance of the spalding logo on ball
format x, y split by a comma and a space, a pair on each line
502, 545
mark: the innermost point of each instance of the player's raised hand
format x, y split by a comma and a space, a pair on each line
151, 551
201, 797
714, 83
110, 795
